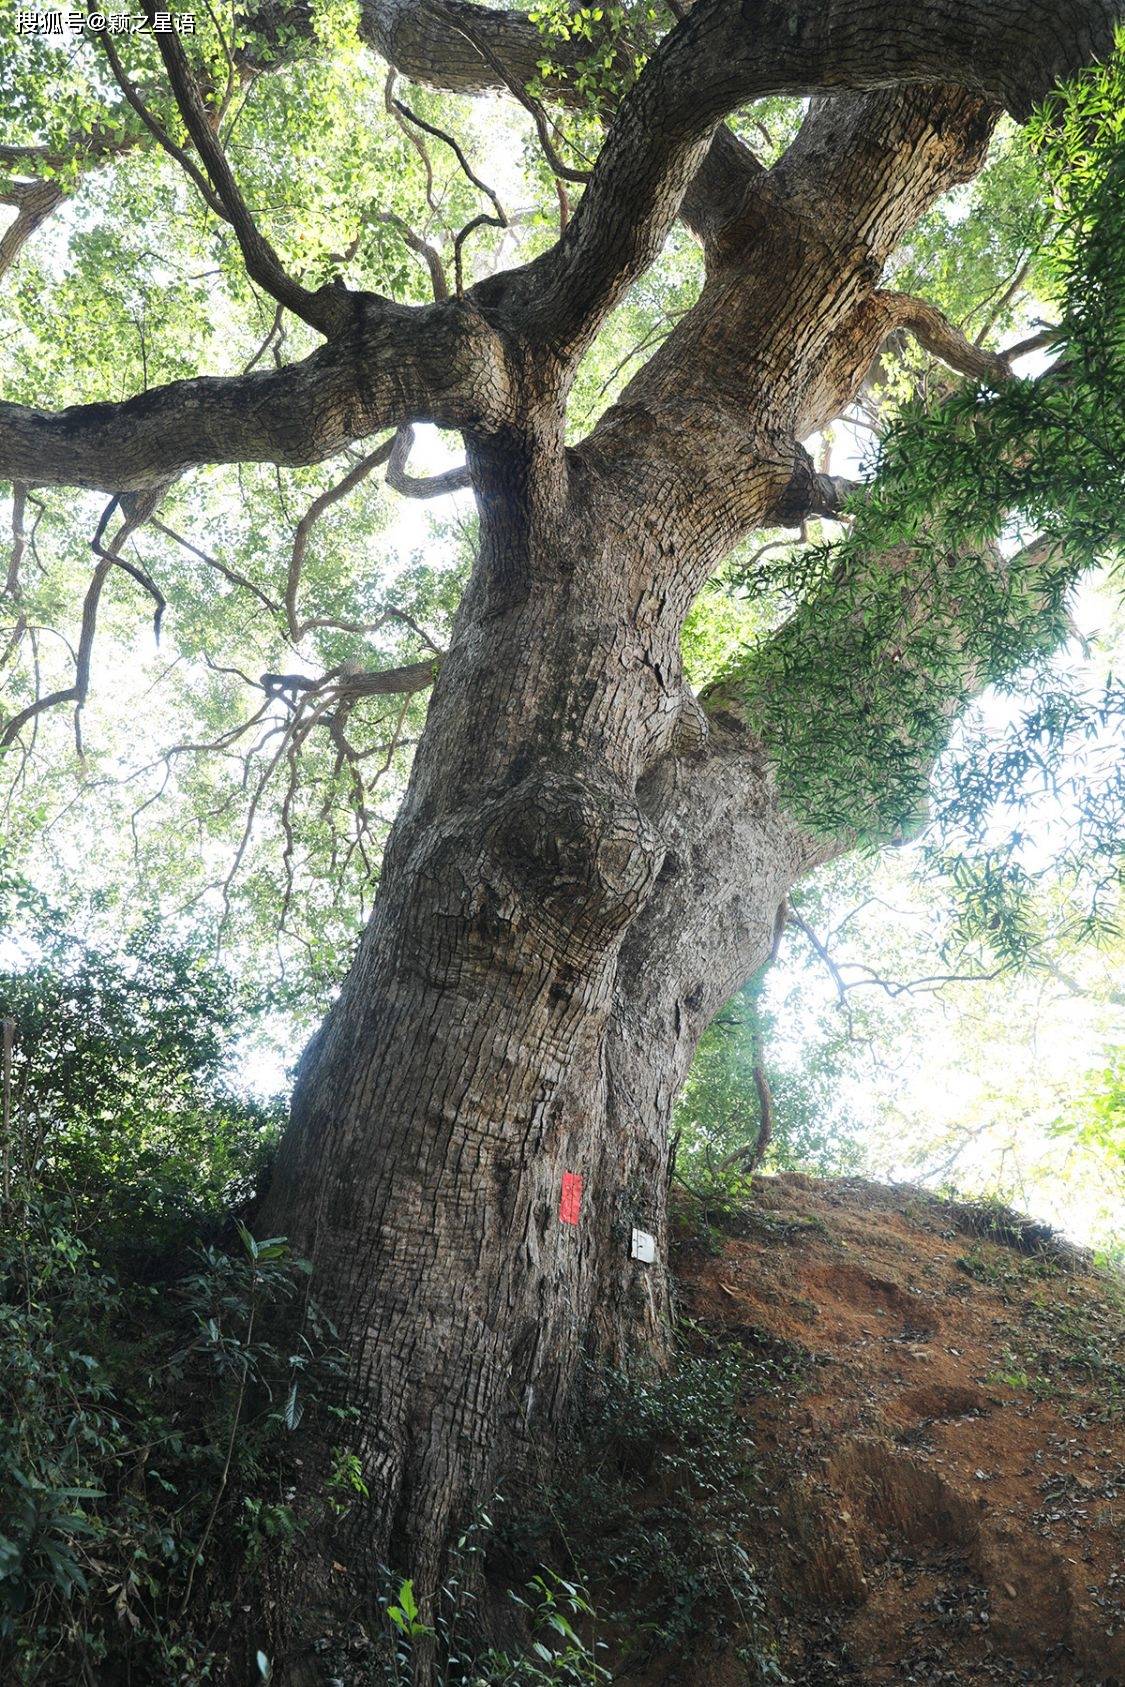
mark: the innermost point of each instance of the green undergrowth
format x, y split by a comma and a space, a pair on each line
145, 1459
155, 1358
717, 1203
641, 1549
660, 1500
711, 1207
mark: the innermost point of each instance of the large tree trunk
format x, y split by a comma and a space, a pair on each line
464, 1071
584, 868
548, 946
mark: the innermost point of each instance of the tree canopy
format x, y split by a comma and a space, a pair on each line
137, 278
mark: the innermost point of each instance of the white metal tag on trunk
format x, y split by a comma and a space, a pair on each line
643, 1247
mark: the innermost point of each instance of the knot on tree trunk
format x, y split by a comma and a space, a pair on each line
582, 854
553, 869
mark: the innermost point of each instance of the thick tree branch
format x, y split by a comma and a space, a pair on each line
425, 486
19, 541
403, 681
828, 216
438, 363
34, 202
353, 682
159, 134
937, 335
451, 44
724, 54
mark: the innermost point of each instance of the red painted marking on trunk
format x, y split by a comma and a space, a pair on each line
571, 1197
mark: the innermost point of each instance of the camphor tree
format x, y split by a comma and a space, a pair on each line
589, 858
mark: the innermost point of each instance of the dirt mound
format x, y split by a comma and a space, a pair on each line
948, 1487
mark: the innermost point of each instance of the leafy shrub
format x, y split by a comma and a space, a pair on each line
118, 1099
154, 1356
553, 1653
143, 1438
657, 1508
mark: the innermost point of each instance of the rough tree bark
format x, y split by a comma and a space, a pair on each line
589, 860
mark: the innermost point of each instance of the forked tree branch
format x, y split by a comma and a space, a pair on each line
159, 134
329, 309
520, 93
398, 366
134, 518
727, 52
458, 152
430, 256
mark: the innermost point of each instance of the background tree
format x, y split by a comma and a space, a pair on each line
590, 857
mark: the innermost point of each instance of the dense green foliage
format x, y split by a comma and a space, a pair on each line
120, 1100
145, 1437
154, 1357
985, 506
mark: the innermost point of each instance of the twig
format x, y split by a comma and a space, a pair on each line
308, 521
564, 171
419, 146
19, 540
455, 147
833, 970
75, 693
136, 509
1005, 298
7, 1040
236, 1418
132, 569
230, 574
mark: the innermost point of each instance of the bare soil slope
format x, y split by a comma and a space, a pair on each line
950, 1482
